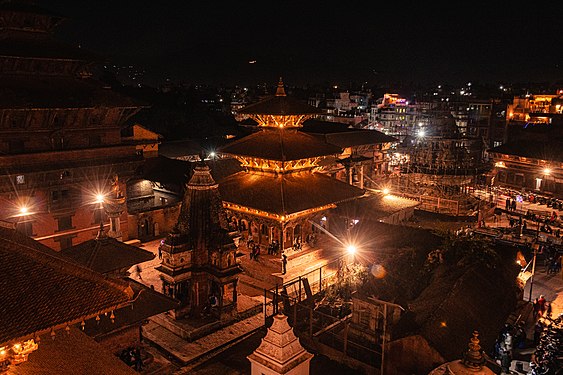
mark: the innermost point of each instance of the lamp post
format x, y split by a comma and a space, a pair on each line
535, 245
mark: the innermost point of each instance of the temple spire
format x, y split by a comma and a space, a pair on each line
280, 91
473, 358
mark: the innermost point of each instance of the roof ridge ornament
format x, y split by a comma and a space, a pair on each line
473, 358
280, 91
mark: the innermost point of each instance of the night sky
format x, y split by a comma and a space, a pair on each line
317, 42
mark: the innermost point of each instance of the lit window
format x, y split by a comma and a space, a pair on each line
20, 179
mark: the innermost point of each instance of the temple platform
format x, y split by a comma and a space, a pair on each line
189, 340
266, 272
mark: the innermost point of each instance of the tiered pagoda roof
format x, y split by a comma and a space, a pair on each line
284, 196
280, 145
280, 161
27, 91
279, 105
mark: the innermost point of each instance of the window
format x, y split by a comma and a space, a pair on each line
65, 222
20, 179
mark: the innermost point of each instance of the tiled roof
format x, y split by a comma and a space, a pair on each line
343, 136
42, 290
28, 91
285, 194
374, 206
281, 145
72, 353
280, 106
548, 149
107, 255
146, 303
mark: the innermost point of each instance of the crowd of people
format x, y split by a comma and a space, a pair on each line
513, 337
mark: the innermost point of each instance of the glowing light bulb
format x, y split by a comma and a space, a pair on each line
351, 249
24, 210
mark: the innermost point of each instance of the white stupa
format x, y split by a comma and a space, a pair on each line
280, 352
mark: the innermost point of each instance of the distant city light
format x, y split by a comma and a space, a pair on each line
385, 191
421, 133
212, 154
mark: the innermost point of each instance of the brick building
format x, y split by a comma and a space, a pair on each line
60, 141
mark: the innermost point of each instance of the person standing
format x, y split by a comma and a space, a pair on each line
507, 205
284, 263
513, 204
541, 303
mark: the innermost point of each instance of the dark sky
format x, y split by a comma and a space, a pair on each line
311, 42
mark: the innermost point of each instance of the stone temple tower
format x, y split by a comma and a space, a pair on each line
199, 265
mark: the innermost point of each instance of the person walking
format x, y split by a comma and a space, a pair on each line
138, 271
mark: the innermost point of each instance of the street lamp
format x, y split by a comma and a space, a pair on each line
351, 249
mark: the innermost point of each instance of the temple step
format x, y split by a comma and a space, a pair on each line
186, 352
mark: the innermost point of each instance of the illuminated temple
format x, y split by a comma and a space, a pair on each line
280, 192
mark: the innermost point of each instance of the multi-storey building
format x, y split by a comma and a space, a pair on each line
535, 109
60, 142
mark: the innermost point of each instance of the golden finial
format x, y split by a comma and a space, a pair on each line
473, 357
280, 90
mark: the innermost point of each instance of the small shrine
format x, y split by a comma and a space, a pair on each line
199, 266
473, 362
280, 352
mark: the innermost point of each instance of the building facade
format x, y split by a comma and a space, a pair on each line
60, 142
